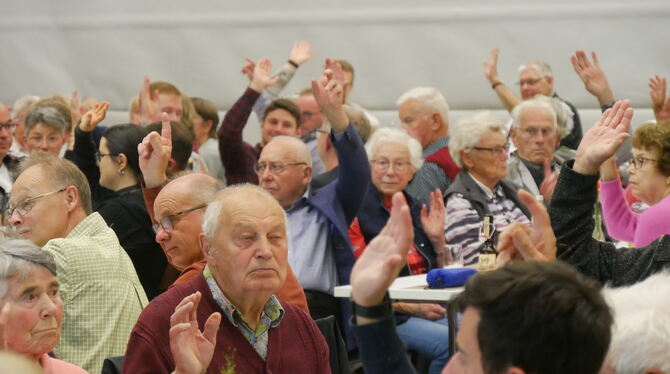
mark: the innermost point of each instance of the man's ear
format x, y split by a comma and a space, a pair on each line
308, 174
71, 197
550, 79
204, 246
171, 166
437, 121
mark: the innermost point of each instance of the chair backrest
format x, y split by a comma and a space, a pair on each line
112, 365
339, 360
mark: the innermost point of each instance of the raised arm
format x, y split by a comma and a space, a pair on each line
329, 94
593, 77
507, 97
84, 149
148, 103
433, 224
380, 347
661, 106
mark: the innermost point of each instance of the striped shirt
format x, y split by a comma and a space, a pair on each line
463, 224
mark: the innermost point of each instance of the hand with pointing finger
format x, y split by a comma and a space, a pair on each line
155, 152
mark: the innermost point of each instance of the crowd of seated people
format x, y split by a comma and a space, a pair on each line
124, 241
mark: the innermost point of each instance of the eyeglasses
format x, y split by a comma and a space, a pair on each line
167, 222
532, 131
99, 156
26, 205
383, 165
275, 167
306, 114
8, 126
638, 162
496, 151
529, 82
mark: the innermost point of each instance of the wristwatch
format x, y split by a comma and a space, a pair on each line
373, 312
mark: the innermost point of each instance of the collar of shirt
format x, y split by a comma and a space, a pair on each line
487, 191
301, 202
435, 146
271, 316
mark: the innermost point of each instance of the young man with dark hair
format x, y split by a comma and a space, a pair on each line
528, 317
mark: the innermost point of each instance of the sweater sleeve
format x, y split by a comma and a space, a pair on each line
381, 349
571, 214
621, 222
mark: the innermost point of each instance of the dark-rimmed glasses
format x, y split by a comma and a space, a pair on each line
167, 222
639, 161
496, 151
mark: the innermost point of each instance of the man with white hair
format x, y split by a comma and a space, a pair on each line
320, 252
641, 331
535, 77
424, 114
246, 328
536, 134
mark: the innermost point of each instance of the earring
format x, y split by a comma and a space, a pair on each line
122, 172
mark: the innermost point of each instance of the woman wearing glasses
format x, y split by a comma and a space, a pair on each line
117, 170
649, 180
480, 146
394, 158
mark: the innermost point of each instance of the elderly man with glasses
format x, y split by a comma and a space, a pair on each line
319, 249
51, 206
535, 78
177, 210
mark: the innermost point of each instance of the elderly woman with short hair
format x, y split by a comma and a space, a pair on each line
480, 146
31, 310
394, 159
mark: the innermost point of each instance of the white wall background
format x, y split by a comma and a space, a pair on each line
104, 48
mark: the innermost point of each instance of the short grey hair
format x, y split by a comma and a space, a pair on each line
22, 103
430, 99
357, 119
470, 130
540, 67
538, 102
47, 116
19, 258
210, 221
387, 135
641, 329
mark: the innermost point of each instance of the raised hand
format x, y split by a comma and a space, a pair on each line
248, 69
148, 102
262, 78
301, 52
491, 67
329, 94
433, 223
154, 154
548, 184
94, 116
593, 77
657, 87
75, 106
520, 242
604, 138
191, 348
383, 258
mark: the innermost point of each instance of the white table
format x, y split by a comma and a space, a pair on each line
411, 288
415, 288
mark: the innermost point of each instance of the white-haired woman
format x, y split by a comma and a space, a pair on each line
480, 146
31, 311
394, 158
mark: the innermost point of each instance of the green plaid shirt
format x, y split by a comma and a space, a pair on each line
102, 295
271, 316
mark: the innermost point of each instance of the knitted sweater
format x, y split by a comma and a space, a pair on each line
295, 346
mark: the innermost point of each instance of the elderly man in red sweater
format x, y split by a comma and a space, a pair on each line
246, 328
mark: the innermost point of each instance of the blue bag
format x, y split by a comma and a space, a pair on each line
442, 278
